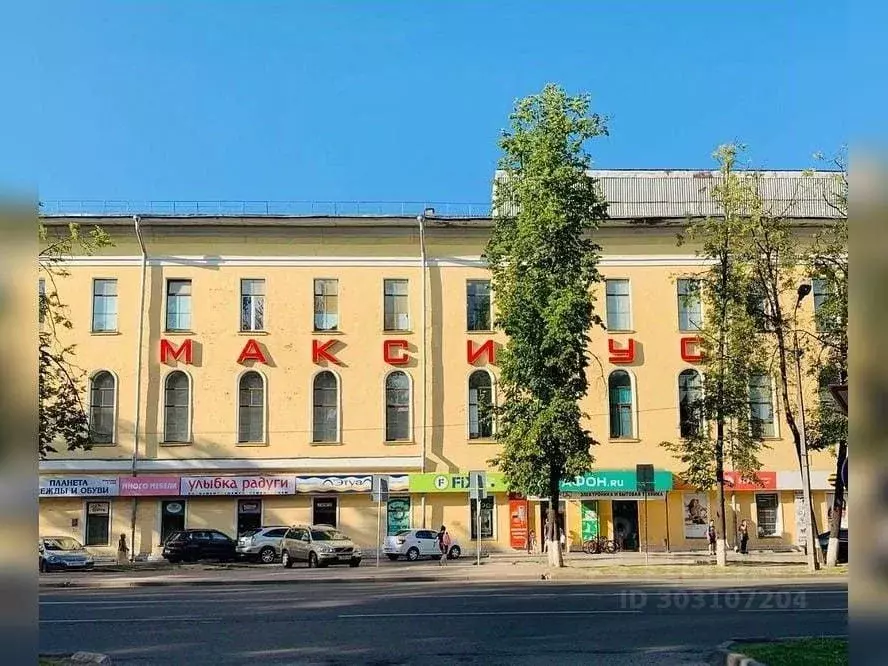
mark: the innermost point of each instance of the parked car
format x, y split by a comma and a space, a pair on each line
823, 540
262, 544
318, 545
61, 553
414, 544
193, 545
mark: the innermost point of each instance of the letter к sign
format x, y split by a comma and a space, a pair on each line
686, 345
393, 352
321, 352
620, 355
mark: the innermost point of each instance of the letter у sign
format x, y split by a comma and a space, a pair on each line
609, 481
453, 483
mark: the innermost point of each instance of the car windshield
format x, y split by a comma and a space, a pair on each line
327, 535
62, 543
249, 533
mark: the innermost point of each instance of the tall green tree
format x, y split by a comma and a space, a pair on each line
62, 416
732, 354
543, 262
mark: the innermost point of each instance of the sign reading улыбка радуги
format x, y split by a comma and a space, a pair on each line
79, 486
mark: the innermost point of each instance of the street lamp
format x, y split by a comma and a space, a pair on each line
810, 551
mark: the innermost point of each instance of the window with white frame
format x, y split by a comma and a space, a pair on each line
690, 307
397, 407
176, 405
326, 305
325, 408
478, 315
98, 524
620, 396
178, 312
761, 407
251, 408
104, 319
102, 408
252, 305
690, 403
767, 514
480, 405
618, 305
396, 307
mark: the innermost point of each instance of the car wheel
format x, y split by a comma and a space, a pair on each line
454, 553
413, 554
393, 558
354, 563
286, 561
312, 560
266, 555
41, 566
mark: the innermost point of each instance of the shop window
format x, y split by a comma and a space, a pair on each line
397, 515
690, 398
102, 396
620, 393
176, 402
172, 518
324, 511
397, 407
249, 515
478, 305
326, 305
480, 405
98, 524
619, 314
325, 409
251, 411
252, 305
487, 518
767, 514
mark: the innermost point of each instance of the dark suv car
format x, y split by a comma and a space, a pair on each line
194, 545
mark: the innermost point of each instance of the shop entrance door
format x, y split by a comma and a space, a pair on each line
249, 515
626, 523
172, 518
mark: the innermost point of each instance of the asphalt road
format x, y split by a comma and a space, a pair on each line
388, 624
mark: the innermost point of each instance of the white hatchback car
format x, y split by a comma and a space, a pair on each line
414, 544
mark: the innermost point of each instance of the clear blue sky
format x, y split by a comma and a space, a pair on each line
401, 100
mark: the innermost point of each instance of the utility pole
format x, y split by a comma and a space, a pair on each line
810, 542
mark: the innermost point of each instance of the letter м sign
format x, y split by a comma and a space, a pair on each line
182, 353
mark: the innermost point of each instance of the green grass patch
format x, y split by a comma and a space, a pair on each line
802, 652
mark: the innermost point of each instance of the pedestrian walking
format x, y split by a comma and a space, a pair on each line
122, 550
531, 543
744, 537
711, 535
444, 542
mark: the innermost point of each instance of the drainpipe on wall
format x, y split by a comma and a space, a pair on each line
138, 385
425, 390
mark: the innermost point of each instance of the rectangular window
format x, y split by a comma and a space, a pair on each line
326, 305
41, 301
397, 316
323, 511
690, 311
98, 524
478, 305
618, 309
822, 292
252, 305
758, 308
104, 306
767, 509
487, 518
178, 312
761, 405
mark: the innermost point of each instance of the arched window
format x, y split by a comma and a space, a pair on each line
251, 410
397, 407
620, 391
480, 405
690, 407
102, 395
176, 403
325, 413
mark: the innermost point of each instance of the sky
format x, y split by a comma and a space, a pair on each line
399, 101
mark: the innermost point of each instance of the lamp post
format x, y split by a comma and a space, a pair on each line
810, 548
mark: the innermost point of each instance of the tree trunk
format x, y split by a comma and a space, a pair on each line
838, 508
721, 553
556, 558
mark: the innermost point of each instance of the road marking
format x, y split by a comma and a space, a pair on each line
488, 613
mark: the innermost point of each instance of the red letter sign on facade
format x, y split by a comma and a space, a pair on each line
474, 354
181, 353
392, 352
252, 352
319, 351
686, 354
621, 354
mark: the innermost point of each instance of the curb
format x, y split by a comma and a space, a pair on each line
79, 658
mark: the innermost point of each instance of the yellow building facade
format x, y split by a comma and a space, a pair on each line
246, 370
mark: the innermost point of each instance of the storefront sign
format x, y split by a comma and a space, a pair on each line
237, 485
609, 481
397, 515
346, 484
79, 486
149, 486
629, 496
453, 483
695, 508
767, 479
589, 527
518, 524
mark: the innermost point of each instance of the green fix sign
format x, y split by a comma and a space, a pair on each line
453, 483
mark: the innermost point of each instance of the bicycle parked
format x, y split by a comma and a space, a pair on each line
601, 544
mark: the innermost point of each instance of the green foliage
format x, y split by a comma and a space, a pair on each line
61, 412
543, 263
